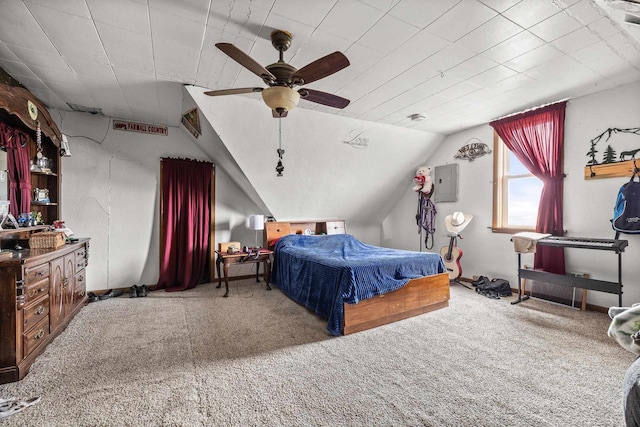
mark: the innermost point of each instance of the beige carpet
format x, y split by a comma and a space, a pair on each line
257, 358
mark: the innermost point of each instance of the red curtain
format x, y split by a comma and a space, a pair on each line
186, 197
536, 138
15, 142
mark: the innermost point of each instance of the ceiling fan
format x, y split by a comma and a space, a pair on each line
282, 77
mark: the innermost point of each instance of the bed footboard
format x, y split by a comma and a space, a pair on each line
419, 296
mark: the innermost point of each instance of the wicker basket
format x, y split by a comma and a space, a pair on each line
47, 240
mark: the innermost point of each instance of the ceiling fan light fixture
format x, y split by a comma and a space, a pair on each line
280, 98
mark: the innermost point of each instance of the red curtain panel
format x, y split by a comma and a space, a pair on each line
186, 217
15, 142
536, 138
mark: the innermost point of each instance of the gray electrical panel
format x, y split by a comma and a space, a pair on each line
445, 180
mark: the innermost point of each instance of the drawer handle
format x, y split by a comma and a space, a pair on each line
39, 273
39, 310
83, 293
41, 290
39, 334
81, 279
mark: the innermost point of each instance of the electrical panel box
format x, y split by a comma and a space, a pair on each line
445, 180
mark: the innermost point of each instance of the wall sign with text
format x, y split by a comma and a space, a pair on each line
140, 127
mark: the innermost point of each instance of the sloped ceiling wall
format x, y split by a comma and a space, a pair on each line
335, 167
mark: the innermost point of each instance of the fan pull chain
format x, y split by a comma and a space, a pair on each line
280, 151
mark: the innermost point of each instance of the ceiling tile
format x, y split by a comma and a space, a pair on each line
180, 31
604, 27
350, 19
557, 26
193, 10
489, 34
362, 57
421, 13
463, 18
528, 13
16, 22
126, 49
419, 47
123, 14
311, 14
241, 17
500, 5
515, 46
471, 67
30, 57
584, 12
492, 75
388, 34
459, 90
592, 52
57, 24
73, 7
533, 58
383, 5
95, 68
17, 69
576, 40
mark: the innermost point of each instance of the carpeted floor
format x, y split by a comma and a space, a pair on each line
257, 358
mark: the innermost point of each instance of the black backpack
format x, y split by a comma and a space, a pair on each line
494, 288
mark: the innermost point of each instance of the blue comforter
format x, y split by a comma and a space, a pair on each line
322, 272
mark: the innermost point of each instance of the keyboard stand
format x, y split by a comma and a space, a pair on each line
570, 280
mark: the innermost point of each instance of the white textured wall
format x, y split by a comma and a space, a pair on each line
588, 204
110, 193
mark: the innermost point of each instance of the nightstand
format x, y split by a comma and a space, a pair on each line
263, 257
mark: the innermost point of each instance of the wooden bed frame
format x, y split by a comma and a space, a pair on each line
419, 296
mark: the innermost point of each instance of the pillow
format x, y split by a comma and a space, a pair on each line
272, 243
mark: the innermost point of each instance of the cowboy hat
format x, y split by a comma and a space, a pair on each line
456, 222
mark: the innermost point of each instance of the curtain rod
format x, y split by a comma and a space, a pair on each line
565, 100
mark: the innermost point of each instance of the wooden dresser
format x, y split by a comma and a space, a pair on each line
40, 292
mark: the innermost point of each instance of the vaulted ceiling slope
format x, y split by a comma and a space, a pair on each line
334, 167
458, 62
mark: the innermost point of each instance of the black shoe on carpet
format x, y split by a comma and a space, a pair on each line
133, 291
111, 293
143, 291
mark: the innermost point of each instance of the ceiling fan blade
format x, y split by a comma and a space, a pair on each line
234, 91
246, 61
277, 115
323, 98
321, 68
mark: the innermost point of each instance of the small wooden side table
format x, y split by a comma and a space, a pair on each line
263, 257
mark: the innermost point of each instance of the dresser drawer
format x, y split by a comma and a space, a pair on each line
80, 264
81, 253
36, 273
35, 289
35, 312
35, 336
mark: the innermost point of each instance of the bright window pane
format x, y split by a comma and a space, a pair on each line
524, 199
515, 167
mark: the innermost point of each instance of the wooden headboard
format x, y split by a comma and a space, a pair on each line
275, 230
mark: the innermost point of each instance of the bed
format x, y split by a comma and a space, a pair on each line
354, 285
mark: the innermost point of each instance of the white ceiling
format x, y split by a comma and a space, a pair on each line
458, 62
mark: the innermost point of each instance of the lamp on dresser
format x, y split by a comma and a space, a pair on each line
256, 223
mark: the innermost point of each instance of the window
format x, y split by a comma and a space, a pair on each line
516, 192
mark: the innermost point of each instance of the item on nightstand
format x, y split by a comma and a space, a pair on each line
223, 247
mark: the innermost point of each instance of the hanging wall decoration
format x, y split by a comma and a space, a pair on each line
612, 163
191, 121
472, 150
426, 214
